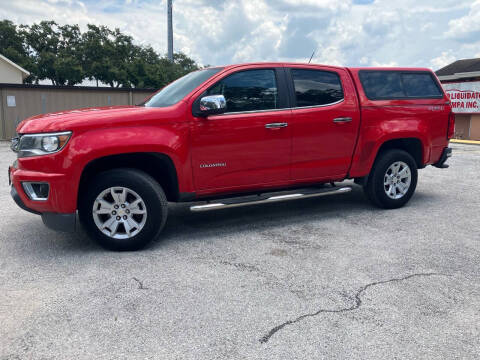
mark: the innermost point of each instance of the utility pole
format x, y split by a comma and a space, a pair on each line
170, 30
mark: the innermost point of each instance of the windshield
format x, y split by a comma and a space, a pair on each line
177, 90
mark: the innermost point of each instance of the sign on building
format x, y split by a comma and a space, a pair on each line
11, 101
464, 96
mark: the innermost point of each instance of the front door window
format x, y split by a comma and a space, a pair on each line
251, 90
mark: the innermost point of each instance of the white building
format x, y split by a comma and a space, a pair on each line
461, 81
11, 73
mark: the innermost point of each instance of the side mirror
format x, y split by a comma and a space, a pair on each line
212, 104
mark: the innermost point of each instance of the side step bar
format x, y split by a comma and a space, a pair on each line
265, 199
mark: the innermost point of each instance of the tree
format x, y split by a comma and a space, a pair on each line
97, 49
112, 58
12, 46
56, 52
140, 69
185, 63
66, 56
69, 65
124, 53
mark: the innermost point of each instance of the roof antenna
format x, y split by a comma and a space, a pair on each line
311, 56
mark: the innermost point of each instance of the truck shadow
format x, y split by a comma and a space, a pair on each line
184, 225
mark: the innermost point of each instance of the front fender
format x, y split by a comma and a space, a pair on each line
170, 140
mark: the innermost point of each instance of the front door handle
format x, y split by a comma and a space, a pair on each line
342, 119
276, 125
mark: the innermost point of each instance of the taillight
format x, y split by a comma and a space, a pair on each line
451, 125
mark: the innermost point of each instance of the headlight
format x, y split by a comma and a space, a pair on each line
41, 144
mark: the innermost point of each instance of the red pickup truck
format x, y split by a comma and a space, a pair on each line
231, 136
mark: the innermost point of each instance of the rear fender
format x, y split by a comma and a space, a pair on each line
372, 140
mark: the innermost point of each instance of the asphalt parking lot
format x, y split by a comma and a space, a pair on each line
326, 278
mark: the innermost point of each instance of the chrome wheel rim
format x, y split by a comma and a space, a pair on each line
397, 179
119, 212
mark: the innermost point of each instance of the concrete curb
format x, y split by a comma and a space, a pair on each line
471, 142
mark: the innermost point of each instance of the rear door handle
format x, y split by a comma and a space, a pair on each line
342, 119
276, 125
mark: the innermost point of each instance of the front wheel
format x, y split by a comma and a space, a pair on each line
393, 179
123, 209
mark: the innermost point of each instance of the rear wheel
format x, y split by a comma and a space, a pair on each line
123, 209
393, 179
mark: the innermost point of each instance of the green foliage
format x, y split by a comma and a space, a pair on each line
12, 46
56, 52
66, 56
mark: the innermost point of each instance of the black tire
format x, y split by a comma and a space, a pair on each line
375, 189
143, 185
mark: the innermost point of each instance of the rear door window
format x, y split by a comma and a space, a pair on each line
316, 87
389, 85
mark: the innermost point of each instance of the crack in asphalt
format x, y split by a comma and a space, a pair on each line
355, 306
242, 266
140, 284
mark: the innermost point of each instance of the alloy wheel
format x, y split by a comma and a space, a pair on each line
119, 212
397, 180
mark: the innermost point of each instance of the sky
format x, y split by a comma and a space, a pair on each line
424, 33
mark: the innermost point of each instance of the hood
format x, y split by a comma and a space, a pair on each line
91, 118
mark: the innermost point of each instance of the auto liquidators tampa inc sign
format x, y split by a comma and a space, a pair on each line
464, 96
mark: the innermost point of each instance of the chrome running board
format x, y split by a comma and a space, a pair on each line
269, 198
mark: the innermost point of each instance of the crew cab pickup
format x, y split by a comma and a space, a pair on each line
231, 136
